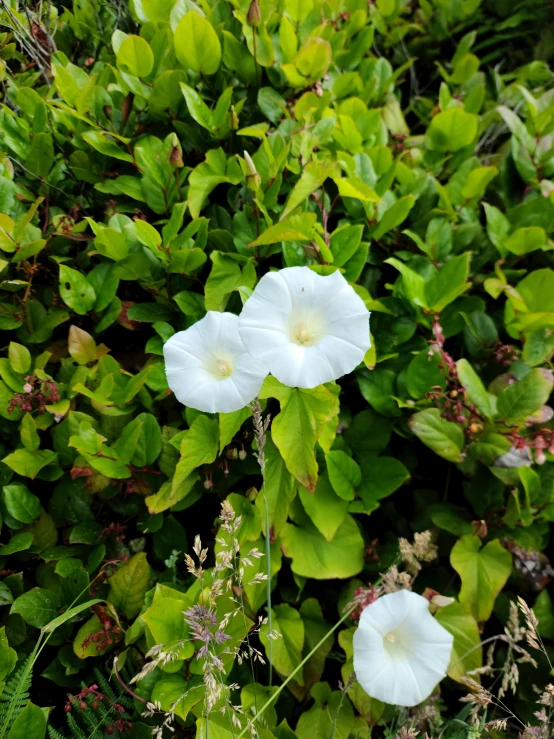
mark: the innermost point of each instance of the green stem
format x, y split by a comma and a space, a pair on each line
300, 666
268, 588
255, 57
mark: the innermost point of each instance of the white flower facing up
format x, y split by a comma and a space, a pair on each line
208, 367
306, 329
400, 651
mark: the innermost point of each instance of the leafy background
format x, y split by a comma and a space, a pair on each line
408, 144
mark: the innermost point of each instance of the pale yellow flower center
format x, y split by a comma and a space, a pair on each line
224, 368
390, 637
302, 335
307, 331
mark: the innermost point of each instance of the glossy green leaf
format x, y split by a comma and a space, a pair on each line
196, 44
129, 584
483, 571
444, 437
37, 607
135, 56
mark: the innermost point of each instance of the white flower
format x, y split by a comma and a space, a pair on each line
304, 328
400, 651
208, 367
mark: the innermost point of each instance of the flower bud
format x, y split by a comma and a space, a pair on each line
254, 15
175, 157
441, 601
253, 179
242, 455
480, 528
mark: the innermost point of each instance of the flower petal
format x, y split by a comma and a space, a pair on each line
400, 651
335, 317
191, 361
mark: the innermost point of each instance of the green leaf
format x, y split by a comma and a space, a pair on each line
449, 283
381, 476
83, 646
29, 436
313, 176
166, 497
545, 614
353, 187
206, 176
76, 291
477, 182
8, 656
298, 10
230, 424
344, 474
287, 650
293, 228
424, 373
526, 240
69, 614
200, 445
394, 216
37, 607
444, 437
81, 345
278, 491
298, 426
451, 130
378, 388
483, 401
498, 227
450, 518
20, 503
165, 620
518, 401
197, 46
18, 543
315, 557
225, 277
129, 584
20, 358
467, 654
344, 243
106, 144
29, 464
40, 157
135, 56
112, 244
177, 695
484, 572
197, 107
326, 509
30, 724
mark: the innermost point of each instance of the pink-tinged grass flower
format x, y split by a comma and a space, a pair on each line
400, 651
305, 328
208, 367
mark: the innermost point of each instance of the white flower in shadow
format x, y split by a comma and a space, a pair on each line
400, 651
306, 329
208, 367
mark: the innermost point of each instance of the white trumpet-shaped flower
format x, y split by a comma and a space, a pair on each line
400, 651
306, 329
208, 367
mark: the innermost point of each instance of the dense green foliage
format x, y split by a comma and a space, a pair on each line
410, 145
